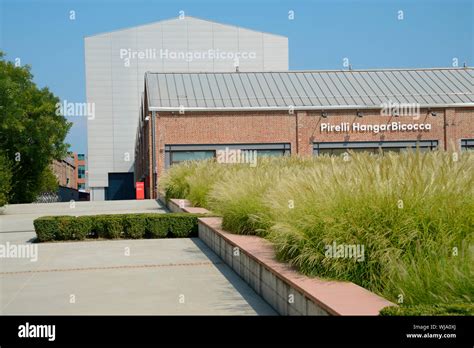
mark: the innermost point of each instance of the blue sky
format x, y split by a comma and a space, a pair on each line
321, 35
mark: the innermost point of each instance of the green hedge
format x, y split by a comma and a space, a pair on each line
130, 226
430, 310
156, 228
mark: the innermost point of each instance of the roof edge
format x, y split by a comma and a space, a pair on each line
309, 71
177, 18
299, 108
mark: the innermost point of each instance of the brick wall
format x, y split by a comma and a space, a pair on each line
223, 128
65, 173
77, 163
459, 125
313, 130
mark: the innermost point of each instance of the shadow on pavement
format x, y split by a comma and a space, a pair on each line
252, 298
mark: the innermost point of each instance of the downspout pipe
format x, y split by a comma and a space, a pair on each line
445, 130
153, 154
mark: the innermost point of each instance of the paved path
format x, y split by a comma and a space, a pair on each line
160, 276
19, 217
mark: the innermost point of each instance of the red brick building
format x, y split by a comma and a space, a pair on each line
80, 163
65, 171
71, 171
192, 115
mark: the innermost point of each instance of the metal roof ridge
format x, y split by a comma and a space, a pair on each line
310, 71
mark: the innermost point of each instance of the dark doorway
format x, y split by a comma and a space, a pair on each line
120, 187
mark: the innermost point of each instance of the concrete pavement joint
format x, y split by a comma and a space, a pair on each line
23, 286
116, 267
25, 231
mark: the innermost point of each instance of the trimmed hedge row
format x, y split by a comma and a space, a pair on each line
133, 226
430, 310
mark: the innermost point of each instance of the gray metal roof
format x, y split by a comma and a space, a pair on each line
306, 90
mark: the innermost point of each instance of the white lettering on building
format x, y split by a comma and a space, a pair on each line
346, 127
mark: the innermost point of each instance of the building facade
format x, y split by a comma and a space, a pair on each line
116, 63
306, 113
65, 171
80, 162
71, 173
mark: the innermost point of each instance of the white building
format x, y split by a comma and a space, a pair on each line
116, 63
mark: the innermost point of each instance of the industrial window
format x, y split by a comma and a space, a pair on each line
338, 148
180, 156
467, 145
81, 172
81, 186
270, 153
81, 157
178, 153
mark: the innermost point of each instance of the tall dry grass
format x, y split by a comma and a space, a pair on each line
412, 212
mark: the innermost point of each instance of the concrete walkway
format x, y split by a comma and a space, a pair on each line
160, 276
19, 217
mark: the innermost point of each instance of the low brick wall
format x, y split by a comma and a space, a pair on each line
176, 205
280, 294
286, 290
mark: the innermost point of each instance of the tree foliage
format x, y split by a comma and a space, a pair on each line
5, 178
31, 132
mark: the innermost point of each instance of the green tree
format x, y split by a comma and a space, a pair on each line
48, 181
5, 178
31, 132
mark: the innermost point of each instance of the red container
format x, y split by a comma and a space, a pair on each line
140, 190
